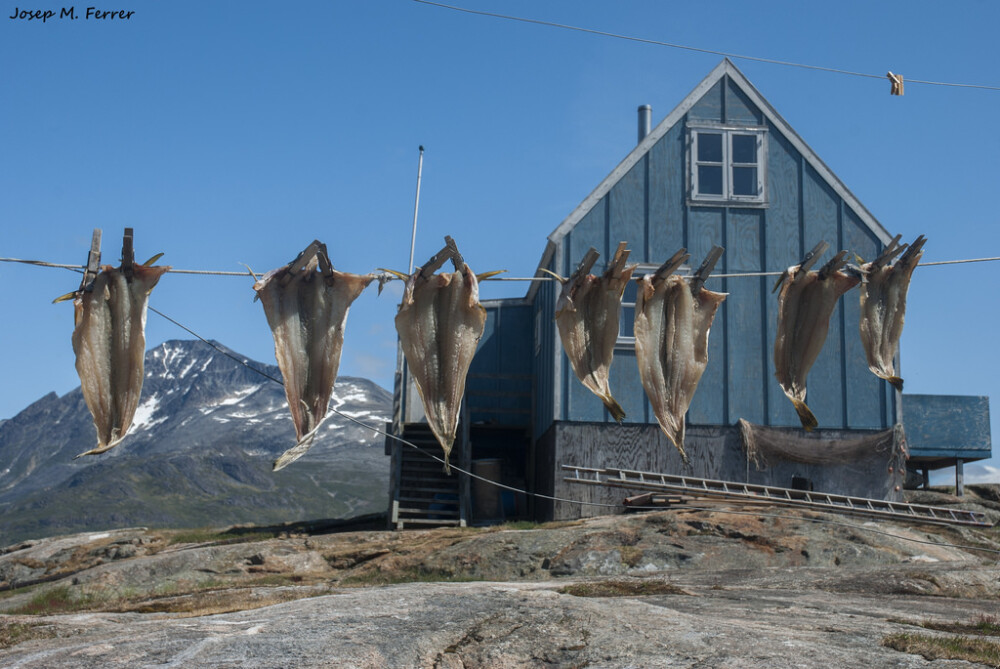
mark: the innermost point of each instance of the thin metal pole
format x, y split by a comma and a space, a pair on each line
416, 208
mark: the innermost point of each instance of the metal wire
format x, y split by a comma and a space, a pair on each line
553, 498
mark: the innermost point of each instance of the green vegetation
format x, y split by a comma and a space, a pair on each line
971, 649
622, 588
233, 535
983, 625
12, 633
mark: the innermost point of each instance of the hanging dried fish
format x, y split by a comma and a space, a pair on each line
805, 304
587, 316
883, 306
439, 323
672, 322
109, 341
306, 310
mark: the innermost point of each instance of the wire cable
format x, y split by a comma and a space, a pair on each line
552, 498
770, 61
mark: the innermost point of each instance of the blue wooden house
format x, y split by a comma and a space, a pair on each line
723, 168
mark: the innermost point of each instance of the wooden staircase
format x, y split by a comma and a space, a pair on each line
424, 495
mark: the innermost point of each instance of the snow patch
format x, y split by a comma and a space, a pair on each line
143, 419
236, 398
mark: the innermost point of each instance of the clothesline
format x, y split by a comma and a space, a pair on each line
389, 277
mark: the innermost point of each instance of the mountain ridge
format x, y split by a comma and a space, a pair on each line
199, 452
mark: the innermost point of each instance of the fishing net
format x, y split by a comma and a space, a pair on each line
764, 445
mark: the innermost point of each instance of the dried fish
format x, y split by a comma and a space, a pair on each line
805, 304
587, 316
109, 341
307, 310
439, 323
672, 322
883, 306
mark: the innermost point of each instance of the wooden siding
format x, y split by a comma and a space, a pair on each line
715, 453
647, 207
947, 426
546, 341
498, 388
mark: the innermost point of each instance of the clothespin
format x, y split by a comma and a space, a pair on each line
669, 267
456, 258
128, 255
441, 257
897, 83
301, 260
893, 249
808, 261
583, 269
619, 260
835, 263
698, 280
93, 262
913, 251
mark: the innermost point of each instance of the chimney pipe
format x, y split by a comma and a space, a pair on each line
645, 119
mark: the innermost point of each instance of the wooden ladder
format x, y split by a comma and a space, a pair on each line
698, 487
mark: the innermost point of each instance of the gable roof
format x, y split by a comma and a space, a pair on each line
723, 69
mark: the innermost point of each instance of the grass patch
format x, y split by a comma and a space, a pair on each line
982, 625
622, 588
229, 536
51, 601
969, 649
12, 633
406, 575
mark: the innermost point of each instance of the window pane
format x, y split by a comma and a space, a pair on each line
744, 148
709, 180
744, 181
709, 147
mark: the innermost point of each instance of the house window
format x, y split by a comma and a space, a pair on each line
727, 164
626, 318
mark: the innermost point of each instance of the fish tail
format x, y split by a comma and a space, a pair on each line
447, 466
896, 382
614, 408
806, 416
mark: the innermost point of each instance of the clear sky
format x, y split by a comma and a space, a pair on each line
231, 132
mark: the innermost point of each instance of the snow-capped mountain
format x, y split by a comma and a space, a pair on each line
199, 453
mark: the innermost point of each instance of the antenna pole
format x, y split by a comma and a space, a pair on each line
416, 208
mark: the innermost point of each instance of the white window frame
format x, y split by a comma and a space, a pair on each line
628, 341
727, 196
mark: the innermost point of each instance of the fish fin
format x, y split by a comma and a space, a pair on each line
614, 408
558, 278
896, 382
806, 416
781, 280
398, 275
486, 275
149, 263
65, 298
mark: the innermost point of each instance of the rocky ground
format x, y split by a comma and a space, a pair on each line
719, 586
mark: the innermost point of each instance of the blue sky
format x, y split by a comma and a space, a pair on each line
237, 132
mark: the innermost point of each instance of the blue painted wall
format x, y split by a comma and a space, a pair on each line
947, 426
648, 208
498, 389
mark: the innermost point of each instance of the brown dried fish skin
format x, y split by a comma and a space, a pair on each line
439, 323
883, 310
671, 344
307, 316
587, 316
110, 345
805, 305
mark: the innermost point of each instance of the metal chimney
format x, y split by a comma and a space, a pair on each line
645, 120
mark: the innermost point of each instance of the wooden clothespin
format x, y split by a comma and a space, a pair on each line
698, 280
808, 261
619, 260
301, 260
897, 83
128, 255
671, 266
586, 264
441, 257
835, 263
456, 258
93, 262
893, 249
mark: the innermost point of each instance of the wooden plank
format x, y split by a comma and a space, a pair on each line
745, 341
666, 195
627, 214
739, 108
782, 240
709, 107
825, 383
